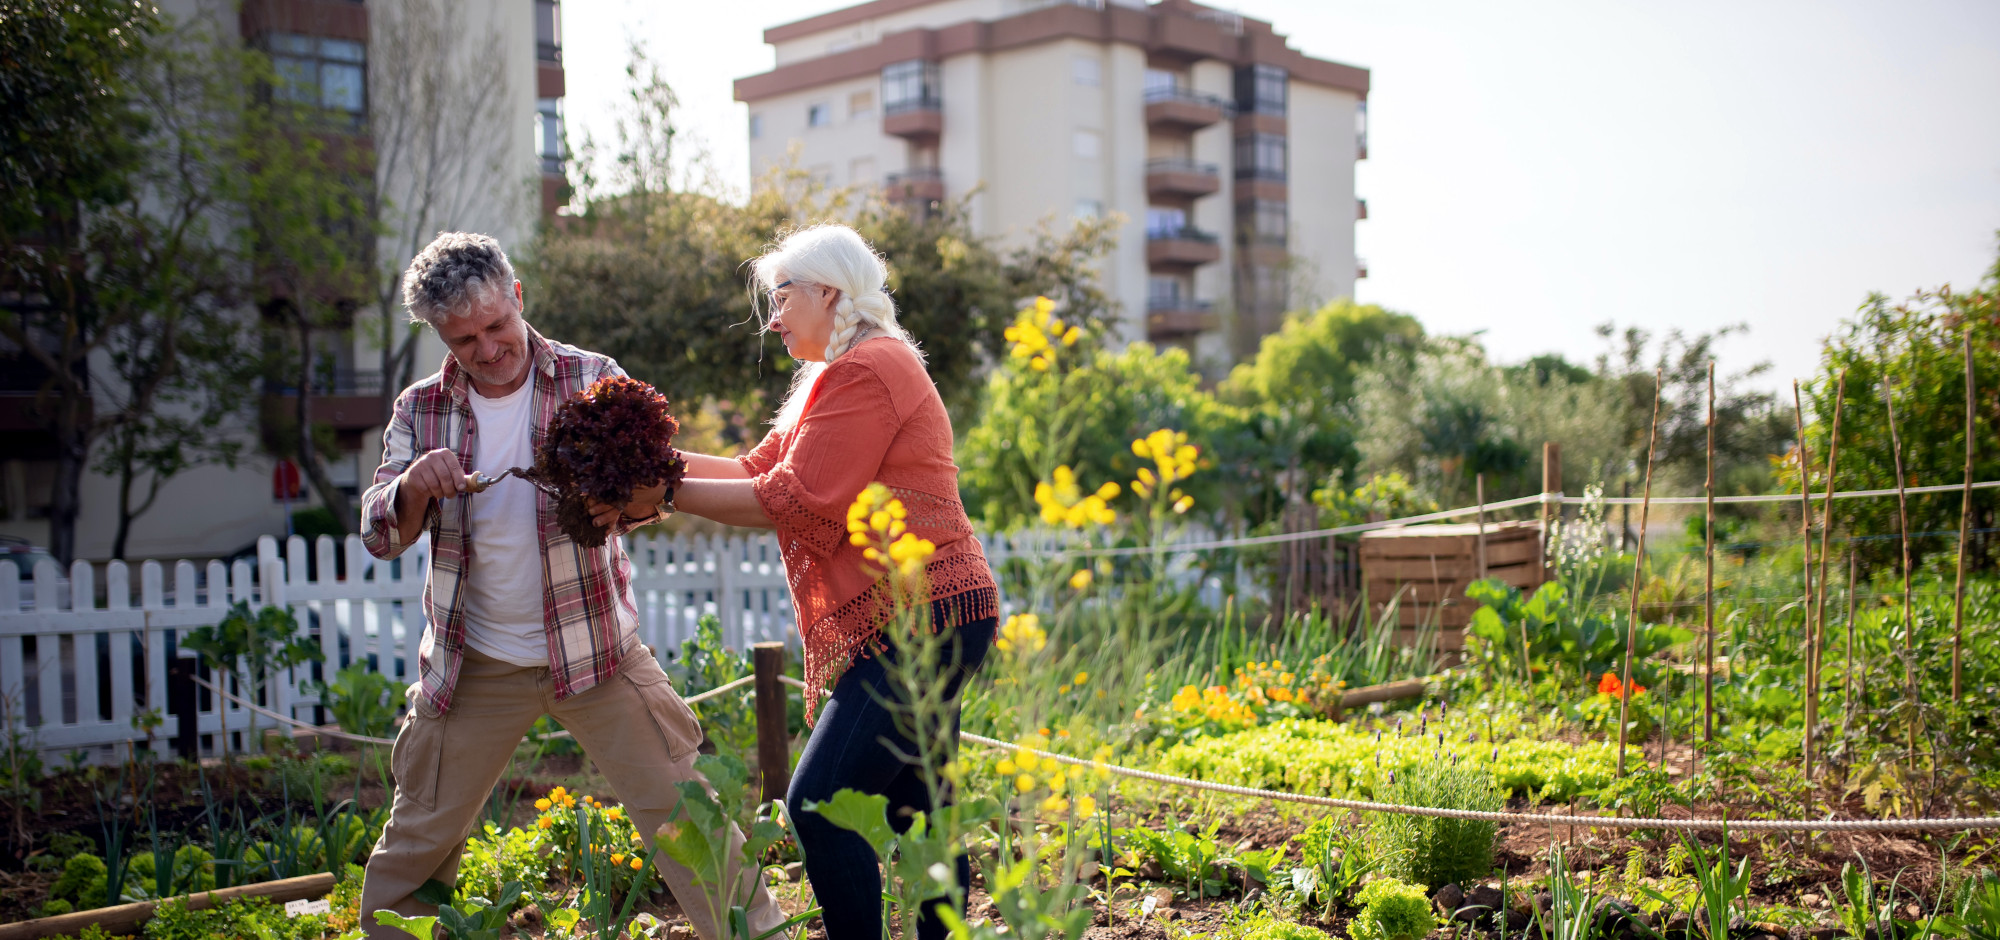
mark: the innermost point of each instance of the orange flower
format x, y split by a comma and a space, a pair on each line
1609, 685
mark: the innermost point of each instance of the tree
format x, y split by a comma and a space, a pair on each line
439, 122
654, 277
310, 239
169, 270
1918, 346
1296, 389
67, 150
1751, 425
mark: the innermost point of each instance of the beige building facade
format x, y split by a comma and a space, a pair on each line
1229, 155
336, 54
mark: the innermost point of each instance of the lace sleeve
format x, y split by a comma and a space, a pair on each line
764, 456
835, 452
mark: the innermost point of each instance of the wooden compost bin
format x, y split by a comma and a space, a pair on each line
1427, 568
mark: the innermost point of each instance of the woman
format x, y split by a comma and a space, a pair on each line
862, 410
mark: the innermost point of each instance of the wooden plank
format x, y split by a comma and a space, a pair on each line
1449, 641
1419, 592
129, 918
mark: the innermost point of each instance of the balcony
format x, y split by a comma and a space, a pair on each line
346, 400
1182, 111
1181, 178
916, 184
1170, 318
918, 119
1183, 247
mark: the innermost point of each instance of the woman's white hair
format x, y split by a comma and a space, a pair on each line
834, 257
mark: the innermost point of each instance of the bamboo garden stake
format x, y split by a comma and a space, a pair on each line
1903, 534
1806, 569
1638, 577
1813, 668
1964, 516
1708, 579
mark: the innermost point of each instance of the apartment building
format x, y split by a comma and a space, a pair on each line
1230, 154
334, 54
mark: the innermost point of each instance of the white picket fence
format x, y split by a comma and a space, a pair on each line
78, 661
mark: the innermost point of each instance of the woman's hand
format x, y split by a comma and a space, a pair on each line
645, 501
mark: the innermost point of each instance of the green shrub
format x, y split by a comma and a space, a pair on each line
245, 917
193, 869
1391, 910
54, 907
1429, 850
1348, 761
82, 881
493, 858
1267, 927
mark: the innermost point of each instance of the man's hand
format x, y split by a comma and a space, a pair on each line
435, 475
645, 500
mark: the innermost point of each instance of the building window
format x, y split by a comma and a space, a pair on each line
1260, 156
1165, 293
1165, 222
1265, 221
1161, 81
1361, 128
1086, 144
1086, 70
1267, 288
819, 115
331, 73
1260, 89
910, 86
549, 134
756, 126
548, 31
1088, 208
860, 104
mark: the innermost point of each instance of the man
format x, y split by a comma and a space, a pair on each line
523, 621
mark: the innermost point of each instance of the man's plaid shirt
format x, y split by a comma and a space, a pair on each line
587, 603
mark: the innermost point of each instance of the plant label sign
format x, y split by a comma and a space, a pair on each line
302, 908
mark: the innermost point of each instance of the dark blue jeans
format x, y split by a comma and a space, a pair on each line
850, 750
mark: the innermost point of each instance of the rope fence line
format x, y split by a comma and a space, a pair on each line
365, 739
1613, 822
1537, 499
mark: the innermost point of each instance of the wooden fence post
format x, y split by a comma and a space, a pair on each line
774, 759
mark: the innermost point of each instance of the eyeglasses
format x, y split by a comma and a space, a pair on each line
771, 296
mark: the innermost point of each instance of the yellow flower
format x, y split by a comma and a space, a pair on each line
637, 838
1024, 782
1081, 678
1081, 579
543, 803
615, 812
544, 822
617, 858
1022, 633
1086, 807
1005, 768
638, 863
1055, 805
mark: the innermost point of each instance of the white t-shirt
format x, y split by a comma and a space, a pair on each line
503, 587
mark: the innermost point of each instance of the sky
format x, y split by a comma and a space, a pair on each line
1538, 168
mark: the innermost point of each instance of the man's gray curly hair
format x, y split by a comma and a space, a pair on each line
454, 271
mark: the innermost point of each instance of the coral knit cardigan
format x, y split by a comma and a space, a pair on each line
874, 416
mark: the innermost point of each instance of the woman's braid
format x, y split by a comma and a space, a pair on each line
847, 324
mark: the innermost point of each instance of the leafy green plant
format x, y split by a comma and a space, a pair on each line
493, 858
1561, 629
1976, 913
472, 918
1719, 891
1434, 851
252, 644
1391, 910
700, 839
1336, 859
1572, 912
362, 700
243, 917
1267, 927
1192, 860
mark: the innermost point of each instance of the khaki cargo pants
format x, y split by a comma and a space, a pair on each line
633, 726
